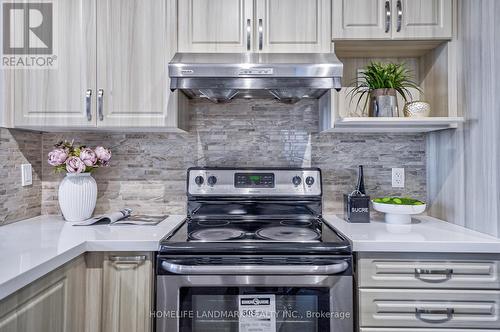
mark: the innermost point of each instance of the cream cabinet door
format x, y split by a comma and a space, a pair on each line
422, 19
215, 25
135, 41
53, 303
293, 26
127, 290
57, 96
361, 19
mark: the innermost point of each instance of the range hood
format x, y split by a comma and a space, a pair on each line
221, 77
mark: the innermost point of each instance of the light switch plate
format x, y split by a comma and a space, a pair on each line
398, 177
26, 175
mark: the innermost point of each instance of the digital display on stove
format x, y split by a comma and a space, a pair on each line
254, 180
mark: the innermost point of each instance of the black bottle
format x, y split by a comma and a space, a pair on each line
361, 181
357, 203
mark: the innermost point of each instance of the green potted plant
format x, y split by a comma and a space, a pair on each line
379, 85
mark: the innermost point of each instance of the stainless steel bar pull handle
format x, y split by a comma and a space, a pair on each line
399, 7
249, 34
255, 269
446, 272
100, 101
448, 312
261, 35
128, 259
387, 16
88, 104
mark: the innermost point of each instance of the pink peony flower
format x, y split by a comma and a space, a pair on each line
103, 154
88, 157
75, 165
57, 157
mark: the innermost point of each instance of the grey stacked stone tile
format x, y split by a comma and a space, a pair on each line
16, 148
148, 170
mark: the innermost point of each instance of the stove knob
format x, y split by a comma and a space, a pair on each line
309, 180
199, 180
212, 180
296, 180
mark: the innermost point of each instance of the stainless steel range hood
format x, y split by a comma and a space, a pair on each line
220, 77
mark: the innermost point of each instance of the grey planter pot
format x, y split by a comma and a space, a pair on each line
383, 103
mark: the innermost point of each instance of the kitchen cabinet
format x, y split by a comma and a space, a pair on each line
301, 26
422, 19
254, 26
112, 70
57, 96
53, 303
119, 292
134, 46
215, 25
406, 291
365, 19
428, 308
392, 19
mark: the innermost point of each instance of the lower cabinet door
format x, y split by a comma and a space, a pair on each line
127, 292
53, 303
479, 309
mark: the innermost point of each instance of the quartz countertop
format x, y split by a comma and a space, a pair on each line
425, 234
31, 248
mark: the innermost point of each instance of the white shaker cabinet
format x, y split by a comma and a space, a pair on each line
428, 292
215, 25
422, 19
134, 46
120, 292
392, 19
59, 96
53, 303
279, 26
127, 292
301, 26
361, 19
112, 70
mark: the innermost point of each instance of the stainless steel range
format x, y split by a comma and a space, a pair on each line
254, 254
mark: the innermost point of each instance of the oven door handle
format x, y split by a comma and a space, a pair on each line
175, 268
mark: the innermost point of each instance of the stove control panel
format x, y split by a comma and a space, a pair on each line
254, 182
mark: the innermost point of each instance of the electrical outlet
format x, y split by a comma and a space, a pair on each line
398, 177
26, 175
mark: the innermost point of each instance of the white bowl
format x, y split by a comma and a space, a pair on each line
398, 214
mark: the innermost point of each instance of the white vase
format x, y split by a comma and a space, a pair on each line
77, 196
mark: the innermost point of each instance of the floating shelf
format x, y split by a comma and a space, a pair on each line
396, 124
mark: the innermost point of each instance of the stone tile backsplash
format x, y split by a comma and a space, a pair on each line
148, 170
16, 148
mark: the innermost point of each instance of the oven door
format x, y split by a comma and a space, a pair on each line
249, 300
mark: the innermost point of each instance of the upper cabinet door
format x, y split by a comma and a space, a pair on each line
215, 25
293, 26
422, 19
60, 95
361, 19
134, 45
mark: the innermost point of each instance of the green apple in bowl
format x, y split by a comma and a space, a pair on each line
398, 210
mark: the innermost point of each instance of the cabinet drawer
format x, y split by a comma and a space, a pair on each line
400, 273
429, 308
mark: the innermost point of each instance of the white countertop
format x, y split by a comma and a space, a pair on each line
425, 234
31, 248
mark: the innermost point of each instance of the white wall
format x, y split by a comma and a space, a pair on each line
464, 165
